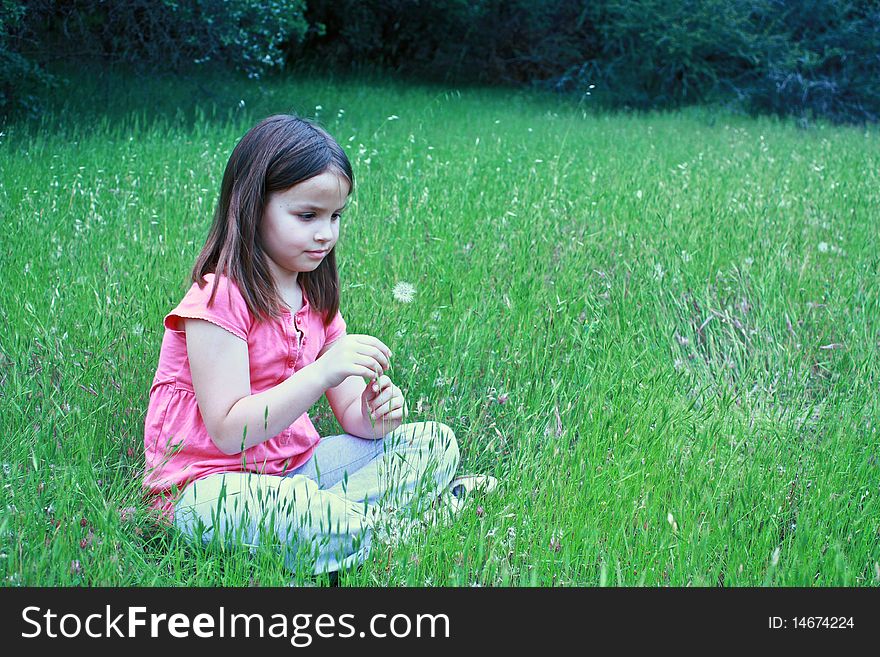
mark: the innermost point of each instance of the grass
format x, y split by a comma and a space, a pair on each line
660, 331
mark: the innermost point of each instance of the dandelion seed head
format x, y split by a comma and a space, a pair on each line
403, 292
823, 247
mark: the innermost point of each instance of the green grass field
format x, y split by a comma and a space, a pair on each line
659, 331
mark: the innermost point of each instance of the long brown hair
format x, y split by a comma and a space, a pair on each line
276, 154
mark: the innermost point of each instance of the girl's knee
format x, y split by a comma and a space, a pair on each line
439, 439
449, 445
297, 485
295, 496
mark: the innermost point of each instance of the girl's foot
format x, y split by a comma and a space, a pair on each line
461, 487
454, 498
398, 527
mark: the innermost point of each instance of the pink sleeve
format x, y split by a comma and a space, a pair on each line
228, 310
335, 330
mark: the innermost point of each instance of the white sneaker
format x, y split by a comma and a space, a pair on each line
461, 487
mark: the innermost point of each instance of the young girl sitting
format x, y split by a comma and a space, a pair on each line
254, 343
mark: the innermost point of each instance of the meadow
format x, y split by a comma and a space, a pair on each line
659, 331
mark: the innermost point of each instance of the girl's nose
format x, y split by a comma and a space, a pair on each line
323, 232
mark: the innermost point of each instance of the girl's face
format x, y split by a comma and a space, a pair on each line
301, 224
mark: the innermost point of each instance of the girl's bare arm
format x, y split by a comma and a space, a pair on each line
235, 418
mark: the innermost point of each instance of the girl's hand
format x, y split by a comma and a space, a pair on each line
382, 401
354, 355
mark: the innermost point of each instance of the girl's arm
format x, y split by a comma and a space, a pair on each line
235, 418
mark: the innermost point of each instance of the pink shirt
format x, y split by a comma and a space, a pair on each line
176, 441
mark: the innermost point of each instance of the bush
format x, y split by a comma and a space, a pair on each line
660, 52
816, 57
406, 35
529, 42
246, 35
803, 57
823, 60
21, 80
509, 41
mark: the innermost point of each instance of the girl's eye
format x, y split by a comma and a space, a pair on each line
308, 216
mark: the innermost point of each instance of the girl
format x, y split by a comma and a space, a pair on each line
256, 340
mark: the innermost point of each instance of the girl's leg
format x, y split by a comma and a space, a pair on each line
249, 509
330, 521
415, 461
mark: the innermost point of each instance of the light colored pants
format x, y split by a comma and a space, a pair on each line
322, 514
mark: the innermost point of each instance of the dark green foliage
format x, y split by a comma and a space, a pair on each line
21, 80
406, 35
528, 41
245, 35
810, 57
822, 57
657, 52
509, 41
803, 57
